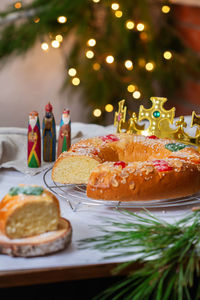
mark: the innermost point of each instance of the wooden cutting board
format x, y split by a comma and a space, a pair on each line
38, 245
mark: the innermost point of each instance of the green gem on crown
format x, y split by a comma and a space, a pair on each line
174, 147
156, 114
26, 190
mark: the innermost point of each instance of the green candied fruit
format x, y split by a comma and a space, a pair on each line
26, 190
156, 114
174, 147
14, 191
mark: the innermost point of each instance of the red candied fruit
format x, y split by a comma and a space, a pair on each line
120, 163
109, 138
152, 137
95, 152
161, 165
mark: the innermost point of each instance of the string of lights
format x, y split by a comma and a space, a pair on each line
118, 53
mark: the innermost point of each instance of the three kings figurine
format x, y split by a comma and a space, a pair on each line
64, 139
49, 135
34, 140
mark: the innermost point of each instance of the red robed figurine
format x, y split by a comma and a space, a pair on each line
64, 138
34, 141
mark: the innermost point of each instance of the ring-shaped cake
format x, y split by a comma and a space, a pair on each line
127, 167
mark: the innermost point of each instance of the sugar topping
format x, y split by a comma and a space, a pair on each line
132, 185
120, 171
114, 182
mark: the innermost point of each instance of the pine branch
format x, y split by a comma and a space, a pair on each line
168, 253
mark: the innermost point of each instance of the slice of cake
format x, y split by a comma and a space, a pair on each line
28, 210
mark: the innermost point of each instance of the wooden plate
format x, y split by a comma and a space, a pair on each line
38, 245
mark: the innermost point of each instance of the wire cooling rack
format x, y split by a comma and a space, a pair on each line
75, 195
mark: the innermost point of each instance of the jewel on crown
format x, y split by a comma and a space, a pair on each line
159, 122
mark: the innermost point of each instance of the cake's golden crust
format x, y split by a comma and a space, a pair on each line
141, 181
140, 178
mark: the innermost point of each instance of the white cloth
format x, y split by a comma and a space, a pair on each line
13, 145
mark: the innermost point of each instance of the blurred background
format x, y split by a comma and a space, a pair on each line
87, 55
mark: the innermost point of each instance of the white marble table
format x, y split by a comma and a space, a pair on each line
73, 262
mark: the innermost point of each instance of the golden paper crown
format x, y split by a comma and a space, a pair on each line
159, 122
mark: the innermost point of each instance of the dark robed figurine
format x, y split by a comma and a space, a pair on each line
34, 140
64, 139
49, 135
